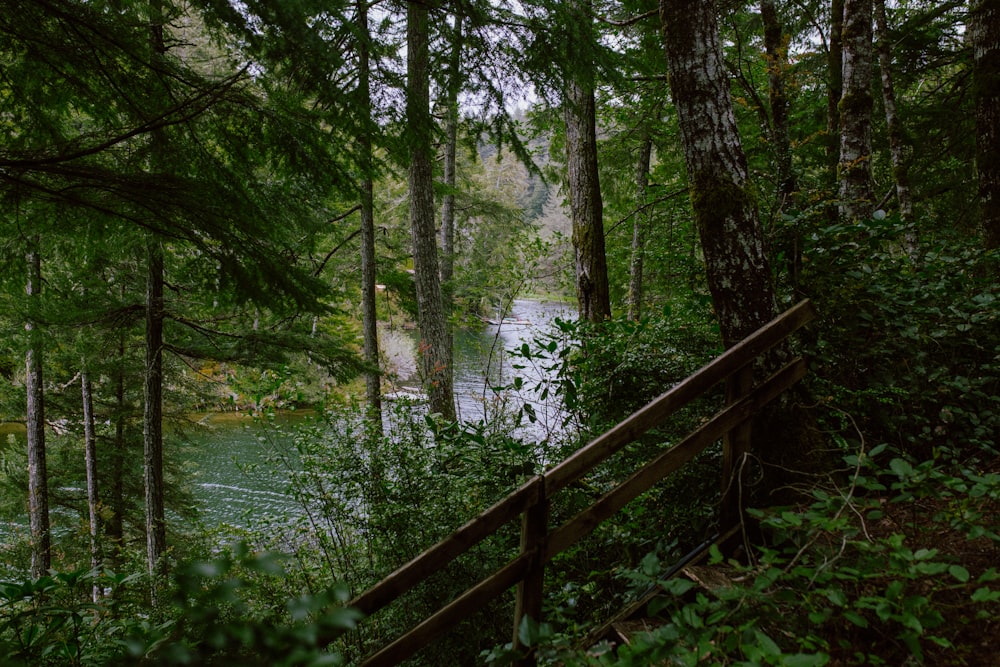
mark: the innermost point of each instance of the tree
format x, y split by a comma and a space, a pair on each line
586, 206
639, 223
776, 49
855, 167
984, 29
369, 316
898, 148
435, 355
38, 489
725, 209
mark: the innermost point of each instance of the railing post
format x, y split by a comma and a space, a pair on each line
534, 530
735, 445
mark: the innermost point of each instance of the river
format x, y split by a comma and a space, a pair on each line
233, 460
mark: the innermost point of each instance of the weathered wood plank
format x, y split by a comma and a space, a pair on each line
473, 599
530, 591
437, 557
654, 413
672, 459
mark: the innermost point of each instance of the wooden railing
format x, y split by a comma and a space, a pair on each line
539, 544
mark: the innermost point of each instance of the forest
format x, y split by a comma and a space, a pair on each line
291, 215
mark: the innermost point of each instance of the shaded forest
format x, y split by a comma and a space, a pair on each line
226, 207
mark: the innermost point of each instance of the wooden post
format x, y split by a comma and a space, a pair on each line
735, 445
534, 530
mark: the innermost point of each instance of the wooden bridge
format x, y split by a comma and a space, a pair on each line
540, 543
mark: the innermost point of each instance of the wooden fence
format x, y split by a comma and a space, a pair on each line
530, 502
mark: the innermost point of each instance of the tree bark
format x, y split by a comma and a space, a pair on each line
116, 475
724, 206
776, 48
435, 353
152, 419
156, 535
369, 314
586, 205
732, 240
90, 460
854, 169
835, 87
639, 224
898, 148
38, 489
984, 26
450, 155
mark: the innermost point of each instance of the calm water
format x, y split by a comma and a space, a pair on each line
234, 460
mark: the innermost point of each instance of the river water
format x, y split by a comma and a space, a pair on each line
234, 462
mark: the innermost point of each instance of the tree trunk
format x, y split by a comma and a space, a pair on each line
835, 88
724, 206
156, 537
855, 168
116, 477
90, 460
435, 353
586, 206
152, 420
898, 148
369, 316
38, 484
776, 48
450, 154
731, 237
984, 26
639, 223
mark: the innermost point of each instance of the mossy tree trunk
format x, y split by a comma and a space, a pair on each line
854, 170
725, 209
435, 354
727, 218
899, 150
984, 27
586, 204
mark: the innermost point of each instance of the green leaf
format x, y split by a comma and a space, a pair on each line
959, 573
856, 618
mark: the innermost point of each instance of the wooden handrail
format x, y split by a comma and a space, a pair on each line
539, 545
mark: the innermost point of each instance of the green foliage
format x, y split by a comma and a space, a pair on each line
868, 573
213, 618
910, 348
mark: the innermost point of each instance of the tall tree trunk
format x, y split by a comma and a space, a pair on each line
156, 535
435, 353
898, 148
38, 484
116, 475
855, 169
639, 223
152, 419
984, 26
724, 206
90, 460
732, 240
453, 85
586, 205
776, 48
369, 316
835, 87
450, 154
